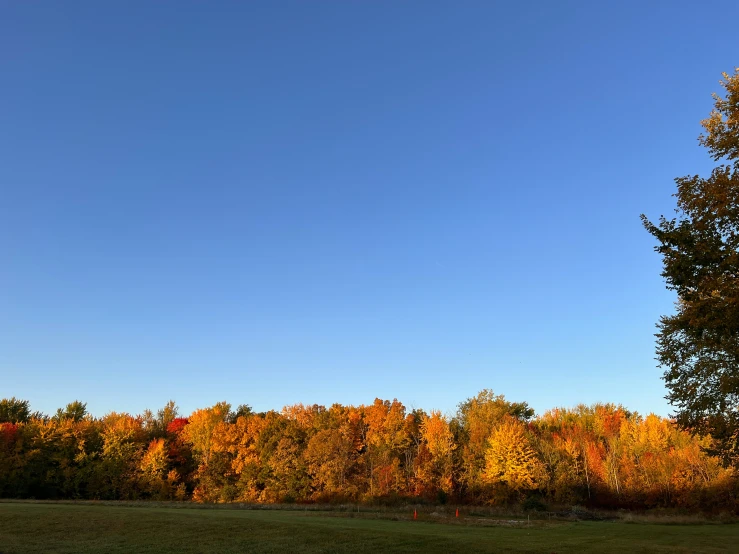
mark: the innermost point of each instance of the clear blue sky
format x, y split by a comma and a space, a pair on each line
281, 202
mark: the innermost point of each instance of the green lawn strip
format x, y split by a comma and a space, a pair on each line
26, 527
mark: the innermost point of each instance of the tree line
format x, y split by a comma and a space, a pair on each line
491, 451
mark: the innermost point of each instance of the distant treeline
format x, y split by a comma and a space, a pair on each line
491, 451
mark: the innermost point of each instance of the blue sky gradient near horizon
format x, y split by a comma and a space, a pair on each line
318, 202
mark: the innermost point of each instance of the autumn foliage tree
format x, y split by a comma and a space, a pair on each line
510, 459
438, 441
476, 419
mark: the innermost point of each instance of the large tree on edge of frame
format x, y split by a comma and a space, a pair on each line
698, 346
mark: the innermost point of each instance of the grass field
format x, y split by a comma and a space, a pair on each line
85, 528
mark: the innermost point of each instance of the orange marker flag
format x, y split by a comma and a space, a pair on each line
415, 515
457, 514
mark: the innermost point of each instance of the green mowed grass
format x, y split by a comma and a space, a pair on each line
80, 528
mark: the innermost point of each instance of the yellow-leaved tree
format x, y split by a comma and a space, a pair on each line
200, 428
510, 459
202, 433
439, 440
475, 421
